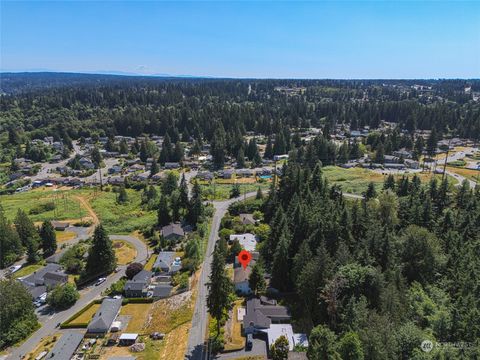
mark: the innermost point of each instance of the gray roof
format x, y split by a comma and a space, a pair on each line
105, 315
247, 219
162, 291
261, 316
164, 260
65, 346
55, 276
35, 291
134, 285
143, 276
37, 277
172, 229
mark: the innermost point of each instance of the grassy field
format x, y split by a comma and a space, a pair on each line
138, 313
120, 219
63, 236
124, 251
468, 173
222, 191
233, 336
67, 207
150, 262
46, 344
26, 270
86, 316
356, 180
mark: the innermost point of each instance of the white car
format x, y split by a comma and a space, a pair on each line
100, 281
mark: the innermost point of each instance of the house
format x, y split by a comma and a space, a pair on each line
227, 174
205, 175
56, 158
60, 226
36, 292
280, 157
50, 276
86, 163
137, 287
394, 166
66, 346
277, 330
247, 219
115, 169
240, 279
390, 159
172, 165
167, 262
260, 316
412, 164
105, 316
248, 241
403, 153
173, 232
158, 176
161, 291
127, 339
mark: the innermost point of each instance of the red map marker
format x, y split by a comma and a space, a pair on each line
244, 258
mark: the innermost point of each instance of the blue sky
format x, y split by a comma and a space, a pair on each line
339, 39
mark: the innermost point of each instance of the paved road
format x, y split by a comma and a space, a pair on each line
457, 156
49, 320
45, 170
196, 348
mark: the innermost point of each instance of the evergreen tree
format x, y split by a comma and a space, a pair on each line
96, 157
219, 289
28, 235
259, 195
101, 257
163, 212
122, 197
256, 281
218, 147
240, 158
154, 168
183, 189
268, 149
389, 183
49, 239
350, 347
10, 245
371, 193
281, 265
195, 211
280, 348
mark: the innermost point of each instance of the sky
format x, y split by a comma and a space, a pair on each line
267, 39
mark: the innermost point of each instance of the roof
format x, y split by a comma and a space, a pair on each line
128, 336
37, 277
247, 219
240, 275
35, 291
60, 225
134, 285
261, 316
162, 291
277, 330
105, 315
164, 260
143, 276
247, 241
57, 276
172, 229
66, 346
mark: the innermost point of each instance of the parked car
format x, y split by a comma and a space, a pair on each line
100, 281
249, 342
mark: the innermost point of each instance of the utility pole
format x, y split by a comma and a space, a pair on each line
101, 183
446, 159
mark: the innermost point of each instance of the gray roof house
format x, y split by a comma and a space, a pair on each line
261, 316
65, 346
137, 287
247, 219
166, 262
162, 291
50, 275
104, 316
172, 231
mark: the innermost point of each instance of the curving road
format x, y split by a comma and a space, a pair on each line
50, 320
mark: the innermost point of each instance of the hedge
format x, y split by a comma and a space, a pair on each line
126, 301
73, 326
78, 313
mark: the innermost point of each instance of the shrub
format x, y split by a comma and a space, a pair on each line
41, 208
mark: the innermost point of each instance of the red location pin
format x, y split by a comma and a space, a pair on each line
244, 258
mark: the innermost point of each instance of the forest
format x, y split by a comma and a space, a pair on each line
222, 111
373, 278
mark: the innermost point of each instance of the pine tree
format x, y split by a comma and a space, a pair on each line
218, 146
154, 168
240, 158
49, 239
195, 211
183, 189
259, 195
268, 149
163, 212
10, 245
96, 157
281, 265
256, 281
122, 197
370, 193
219, 289
101, 257
28, 235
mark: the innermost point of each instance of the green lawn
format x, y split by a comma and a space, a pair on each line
354, 180
121, 219
26, 270
66, 206
222, 191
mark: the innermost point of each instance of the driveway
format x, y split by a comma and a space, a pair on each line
259, 348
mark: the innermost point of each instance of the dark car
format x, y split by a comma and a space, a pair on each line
249, 342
